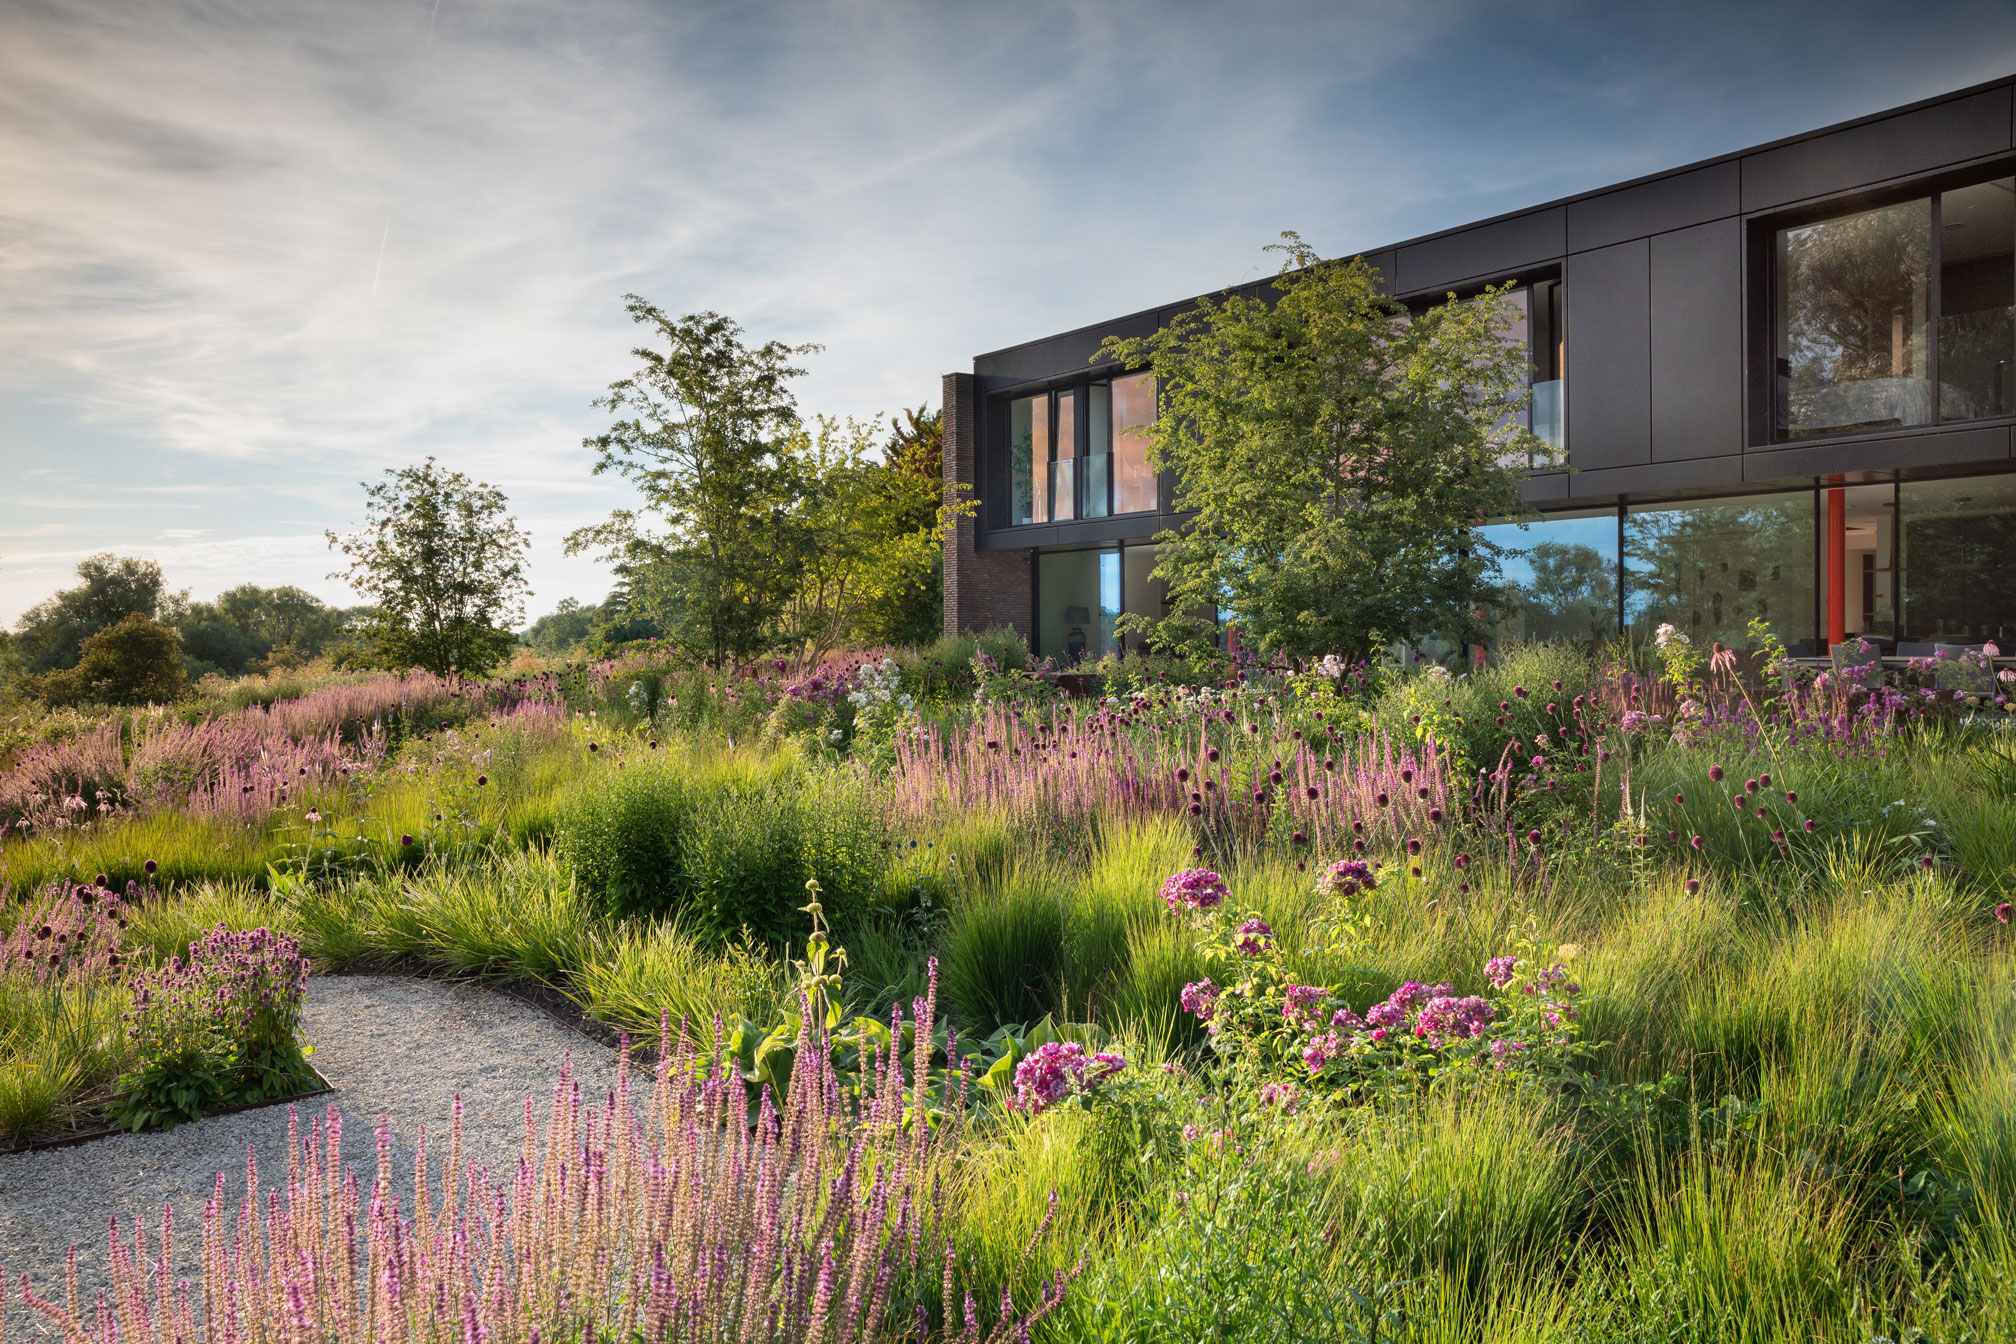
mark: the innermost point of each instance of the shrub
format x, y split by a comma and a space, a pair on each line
215, 1030
133, 662
622, 836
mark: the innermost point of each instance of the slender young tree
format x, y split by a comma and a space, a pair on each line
704, 430
1337, 455
444, 567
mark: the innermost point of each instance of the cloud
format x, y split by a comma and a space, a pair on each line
252, 253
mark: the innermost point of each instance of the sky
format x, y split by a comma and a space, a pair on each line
254, 254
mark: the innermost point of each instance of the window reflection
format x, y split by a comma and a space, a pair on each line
1977, 288
1560, 578
1023, 414
1063, 470
1959, 554
1854, 296
1077, 603
1133, 413
1709, 567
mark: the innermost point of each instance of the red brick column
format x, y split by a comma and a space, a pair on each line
983, 589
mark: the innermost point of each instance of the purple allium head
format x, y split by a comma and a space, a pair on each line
1715, 773
1693, 886
2002, 912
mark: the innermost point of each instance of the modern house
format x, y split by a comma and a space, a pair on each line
1780, 384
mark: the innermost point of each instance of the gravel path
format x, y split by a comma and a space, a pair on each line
393, 1046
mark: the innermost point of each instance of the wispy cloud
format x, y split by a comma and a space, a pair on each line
251, 253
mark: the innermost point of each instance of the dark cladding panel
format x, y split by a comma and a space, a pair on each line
1653, 207
1058, 357
1609, 354
1958, 447
1382, 262
1915, 142
1697, 342
1487, 251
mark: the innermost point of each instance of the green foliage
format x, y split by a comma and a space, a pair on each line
870, 537
723, 849
50, 635
132, 662
252, 628
704, 432
443, 566
1004, 958
1336, 454
562, 629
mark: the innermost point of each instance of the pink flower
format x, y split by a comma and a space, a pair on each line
1194, 889
1499, 970
1056, 1070
1201, 999
1346, 877
1319, 1051
1444, 1017
1254, 937
1303, 1005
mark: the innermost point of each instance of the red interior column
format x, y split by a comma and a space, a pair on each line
1837, 567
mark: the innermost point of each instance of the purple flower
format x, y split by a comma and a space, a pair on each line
1499, 970
1056, 1070
1319, 1051
1303, 1004
1254, 937
1346, 877
1194, 889
1445, 1017
1200, 998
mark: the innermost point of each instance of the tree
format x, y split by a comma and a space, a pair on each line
443, 565
562, 628
133, 661
870, 536
912, 612
51, 634
1337, 455
705, 433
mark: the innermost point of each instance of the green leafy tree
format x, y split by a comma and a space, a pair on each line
51, 634
134, 661
1337, 454
705, 431
561, 629
871, 537
443, 566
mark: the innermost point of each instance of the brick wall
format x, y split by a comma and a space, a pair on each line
982, 588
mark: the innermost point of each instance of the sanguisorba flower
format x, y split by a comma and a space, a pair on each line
1194, 889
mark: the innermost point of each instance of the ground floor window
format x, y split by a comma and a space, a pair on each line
1081, 596
1908, 566
1710, 567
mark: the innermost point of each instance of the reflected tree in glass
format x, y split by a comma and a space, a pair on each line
1572, 594
1708, 568
1854, 301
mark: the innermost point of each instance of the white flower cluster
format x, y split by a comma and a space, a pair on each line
1668, 635
1332, 667
880, 686
1437, 672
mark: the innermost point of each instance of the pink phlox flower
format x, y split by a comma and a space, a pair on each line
1445, 1017
1499, 971
1303, 1004
1194, 889
1318, 1052
1347, 877
1254, 938
1057, 1069
1200, 998
1346, 1020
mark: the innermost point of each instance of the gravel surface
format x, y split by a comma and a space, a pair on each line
393, 1046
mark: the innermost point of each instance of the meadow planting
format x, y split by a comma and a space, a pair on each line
1623, 995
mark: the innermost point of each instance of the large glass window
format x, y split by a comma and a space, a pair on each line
1096, 476
1855, 296
1077, 603
1063, 467
1858, 530
1977, 300
1959, 556
1560, 578
1023, 413
1133, 413
1550, 364
1902, 315
1709, 567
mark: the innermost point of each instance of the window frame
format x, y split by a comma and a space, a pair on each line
1766, 293
1078, 387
